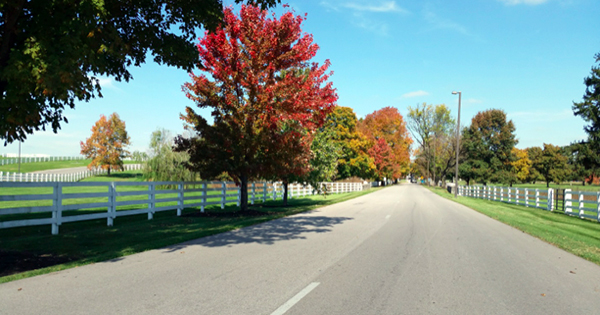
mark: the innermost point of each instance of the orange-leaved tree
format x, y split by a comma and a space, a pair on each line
106, 145
388, 124
259, 103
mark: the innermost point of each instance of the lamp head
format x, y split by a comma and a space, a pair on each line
454, 92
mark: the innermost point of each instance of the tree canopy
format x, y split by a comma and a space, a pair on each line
552, 164
259, 102
354, 159
52, 52
589, 108
106, 146
488, 143
388, 124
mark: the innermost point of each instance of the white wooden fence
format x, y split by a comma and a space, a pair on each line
127, 198
584, 204
15, 160
536, 198
70, 177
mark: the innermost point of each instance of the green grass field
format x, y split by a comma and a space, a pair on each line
577, 236
92, 241
42, 166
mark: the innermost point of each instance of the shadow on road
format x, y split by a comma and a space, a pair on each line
289, 228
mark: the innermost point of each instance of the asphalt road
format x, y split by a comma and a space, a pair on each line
401, 250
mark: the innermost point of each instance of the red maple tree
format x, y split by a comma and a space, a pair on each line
388, 124
264, 94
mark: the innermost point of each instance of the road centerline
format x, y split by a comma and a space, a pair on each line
295, 299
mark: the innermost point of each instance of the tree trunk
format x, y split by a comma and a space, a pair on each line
243, 193
108, 172
547, 184
285, 193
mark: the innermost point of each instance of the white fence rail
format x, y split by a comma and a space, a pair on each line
73, 201
584, 204
70, 177
15, 160
536, 198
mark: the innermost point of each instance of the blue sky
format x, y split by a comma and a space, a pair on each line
526, 57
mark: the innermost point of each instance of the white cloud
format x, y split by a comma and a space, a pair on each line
383, 7
440, 23
473, 101
415, 94
362, 11
527, 2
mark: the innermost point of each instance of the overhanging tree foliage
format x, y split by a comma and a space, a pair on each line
51, 52
252, 102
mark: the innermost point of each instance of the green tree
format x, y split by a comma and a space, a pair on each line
535, 155
324, 161
354, 159
52, 52
589, 108
552, 165
106, 146
164, 164
488, 143
583, 162
434, 129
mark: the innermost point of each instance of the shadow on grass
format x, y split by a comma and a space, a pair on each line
268, 233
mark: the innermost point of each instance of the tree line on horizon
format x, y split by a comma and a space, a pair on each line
487, 152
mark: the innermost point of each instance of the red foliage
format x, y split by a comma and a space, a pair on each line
388, 125
266, 98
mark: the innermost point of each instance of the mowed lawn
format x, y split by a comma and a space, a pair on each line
80, 243
43, 166
577, 236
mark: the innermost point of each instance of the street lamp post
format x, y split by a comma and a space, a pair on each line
457, 144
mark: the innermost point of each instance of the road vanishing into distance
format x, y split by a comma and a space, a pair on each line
400, 250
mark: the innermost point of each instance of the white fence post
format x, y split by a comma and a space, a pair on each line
598, 205
151, 200
274, 191
57, 208
568, 204
253, 192
112, 207
550, 196
223, 194
581, 204
537, 198
526, 197
204, 194
180, 199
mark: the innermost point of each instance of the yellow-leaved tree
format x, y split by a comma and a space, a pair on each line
106, 146
520, 165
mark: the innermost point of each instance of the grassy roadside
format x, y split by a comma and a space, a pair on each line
576, 236
82, 243
42, 166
